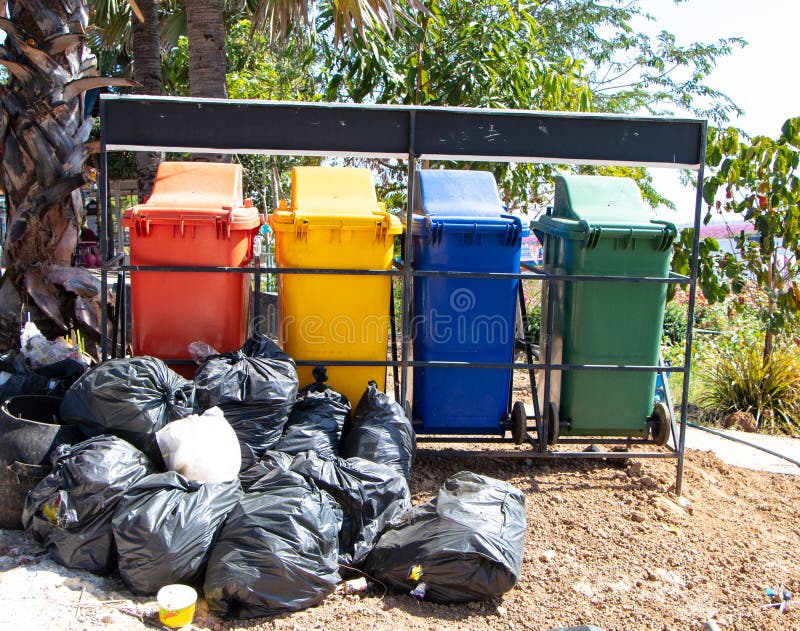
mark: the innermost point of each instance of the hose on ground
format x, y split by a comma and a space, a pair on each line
736, 439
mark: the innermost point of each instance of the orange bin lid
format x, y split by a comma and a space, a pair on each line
197, 191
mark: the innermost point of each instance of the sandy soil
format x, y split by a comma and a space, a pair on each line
608, 544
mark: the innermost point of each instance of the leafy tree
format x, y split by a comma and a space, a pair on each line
761, 183
206, 30
628, 70
562, 55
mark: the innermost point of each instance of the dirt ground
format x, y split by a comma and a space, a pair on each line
608, 544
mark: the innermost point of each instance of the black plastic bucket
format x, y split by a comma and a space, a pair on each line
30, 431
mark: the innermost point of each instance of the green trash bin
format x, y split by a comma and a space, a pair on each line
599, 226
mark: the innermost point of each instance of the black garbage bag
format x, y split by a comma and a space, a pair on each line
269, 460
131, 398
255, 387
70, 510
370, 495
465, 544
52, 380
316, 420
164, 527
276, 552
380, 432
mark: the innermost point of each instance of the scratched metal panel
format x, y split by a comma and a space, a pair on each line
253, 127
180, 124
558, 137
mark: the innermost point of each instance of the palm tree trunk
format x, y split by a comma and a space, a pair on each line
205, 32
44, 133
205, 28
147, 72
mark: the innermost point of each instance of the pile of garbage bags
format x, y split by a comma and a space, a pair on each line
263, 495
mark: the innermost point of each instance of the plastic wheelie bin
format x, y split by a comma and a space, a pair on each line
195, 217
599, 226
459, 224
334, 221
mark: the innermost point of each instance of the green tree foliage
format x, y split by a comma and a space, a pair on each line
627, 69
760, 180
560, 55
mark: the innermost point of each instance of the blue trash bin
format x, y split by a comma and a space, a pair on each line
459, 224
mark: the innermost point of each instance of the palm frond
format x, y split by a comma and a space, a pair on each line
277, 18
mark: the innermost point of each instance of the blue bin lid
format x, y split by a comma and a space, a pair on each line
461, 201
457, 193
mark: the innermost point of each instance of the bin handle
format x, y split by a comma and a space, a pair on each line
376, 218
508, 224
670, 234
143, 223
590, 235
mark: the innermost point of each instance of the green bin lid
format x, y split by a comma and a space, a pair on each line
599, 199
587, 207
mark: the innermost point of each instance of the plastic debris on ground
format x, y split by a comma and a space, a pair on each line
70, 510
370, 495
39, 351
465, 544
269, 461
316, 420
356, 586
277, 551
203, 448
256, 388
131, 398
380, 432
164, 527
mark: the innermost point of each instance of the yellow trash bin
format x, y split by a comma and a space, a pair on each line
334, 221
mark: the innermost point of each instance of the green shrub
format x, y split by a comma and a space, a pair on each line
534, 318
675, 322
736, 379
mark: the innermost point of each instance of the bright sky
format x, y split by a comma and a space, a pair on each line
761, 78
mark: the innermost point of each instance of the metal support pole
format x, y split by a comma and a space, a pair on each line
102, 217
393, 329
687, 356
123, 333
256, 328
548, 359
408, 261
528, 352
117, 313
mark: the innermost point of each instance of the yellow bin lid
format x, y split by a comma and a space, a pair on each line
334, 197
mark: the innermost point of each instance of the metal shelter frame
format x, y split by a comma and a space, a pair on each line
148, 123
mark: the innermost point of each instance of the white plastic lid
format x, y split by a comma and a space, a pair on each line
175, 597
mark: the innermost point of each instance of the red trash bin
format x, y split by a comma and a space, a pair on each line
195, 216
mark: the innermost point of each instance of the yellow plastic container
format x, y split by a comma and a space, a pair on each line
334, 221
176, 605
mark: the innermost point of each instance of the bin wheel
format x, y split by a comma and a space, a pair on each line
553, 424
660, 424
519, 423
